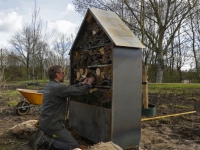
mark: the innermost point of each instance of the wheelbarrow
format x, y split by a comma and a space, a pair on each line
30, 98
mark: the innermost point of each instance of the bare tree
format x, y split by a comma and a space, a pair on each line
193, 35
41, 51
25, 41
150, 17
3, 63
61, 47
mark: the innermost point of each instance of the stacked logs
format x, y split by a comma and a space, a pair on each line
92, 37
93, 57
96, 96
96, 56
102, 75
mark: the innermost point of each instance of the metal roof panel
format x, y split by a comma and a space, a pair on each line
116, 29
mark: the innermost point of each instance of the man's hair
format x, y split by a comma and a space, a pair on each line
52, 70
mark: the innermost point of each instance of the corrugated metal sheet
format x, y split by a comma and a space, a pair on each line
116, 29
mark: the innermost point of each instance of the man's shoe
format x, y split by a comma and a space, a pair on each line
42, 141
33, 137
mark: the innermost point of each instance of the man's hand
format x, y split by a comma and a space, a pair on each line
88, 81
85, 81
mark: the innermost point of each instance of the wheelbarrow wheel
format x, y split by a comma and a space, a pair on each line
22, 111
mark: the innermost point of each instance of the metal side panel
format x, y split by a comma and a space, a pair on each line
126, 96
92, 122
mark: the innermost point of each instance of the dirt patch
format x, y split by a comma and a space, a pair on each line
175, 133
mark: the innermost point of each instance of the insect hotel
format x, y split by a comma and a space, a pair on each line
106, 49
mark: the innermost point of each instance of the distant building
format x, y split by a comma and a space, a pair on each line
185, 81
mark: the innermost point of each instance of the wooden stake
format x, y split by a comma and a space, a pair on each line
145, 86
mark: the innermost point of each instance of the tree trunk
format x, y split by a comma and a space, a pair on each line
160, 59
160, 67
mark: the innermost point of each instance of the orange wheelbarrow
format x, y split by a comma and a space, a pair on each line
30, 99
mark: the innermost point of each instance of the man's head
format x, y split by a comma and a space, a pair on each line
56, 72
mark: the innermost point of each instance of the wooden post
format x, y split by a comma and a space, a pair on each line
145, 86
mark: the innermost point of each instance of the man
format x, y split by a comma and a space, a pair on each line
53, 111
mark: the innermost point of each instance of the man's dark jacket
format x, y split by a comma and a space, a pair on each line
53, 109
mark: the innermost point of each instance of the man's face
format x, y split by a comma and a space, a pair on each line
60, 75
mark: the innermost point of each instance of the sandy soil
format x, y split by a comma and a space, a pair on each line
174, 133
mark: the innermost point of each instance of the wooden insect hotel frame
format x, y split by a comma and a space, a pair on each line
106, 49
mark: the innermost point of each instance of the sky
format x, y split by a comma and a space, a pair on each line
58, 15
